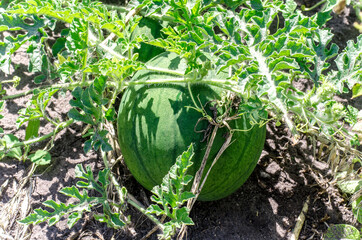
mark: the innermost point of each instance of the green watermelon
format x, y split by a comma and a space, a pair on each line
155, 125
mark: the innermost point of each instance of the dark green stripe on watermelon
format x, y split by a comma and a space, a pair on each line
155, 126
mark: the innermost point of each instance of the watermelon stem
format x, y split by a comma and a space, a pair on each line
196, 187
224, 84
60, 127
130, 198
196, 184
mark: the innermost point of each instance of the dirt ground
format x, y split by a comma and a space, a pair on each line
265, 207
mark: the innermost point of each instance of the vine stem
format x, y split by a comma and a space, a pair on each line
61, 85
197, 187
123, 58
153, 16
263, 68
300, 220
8, 81
304, 8
224, 84
130, 198
60, 127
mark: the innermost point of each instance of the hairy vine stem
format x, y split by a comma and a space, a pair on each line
154, 16
129, 198
60, 127
60, 85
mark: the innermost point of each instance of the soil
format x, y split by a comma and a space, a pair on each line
265, 207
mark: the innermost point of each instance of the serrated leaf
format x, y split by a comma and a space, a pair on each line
257, 5
100, 140
186, 196
290, 6
116, 221
83, 203
348, 64
71, 192
73, 219
74, 114
79, 171
155, 209
11, 44
170, 195
182, 215
283, 63
103, 177
100, 84
94, 95
110, 115
82, 184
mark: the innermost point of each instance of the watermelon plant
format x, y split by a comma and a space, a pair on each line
157, 122
200, 73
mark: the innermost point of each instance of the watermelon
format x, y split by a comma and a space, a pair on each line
156, 124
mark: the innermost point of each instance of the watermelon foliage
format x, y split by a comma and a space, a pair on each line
254, 50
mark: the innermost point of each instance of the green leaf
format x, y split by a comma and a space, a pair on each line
12, 22
83, 202
170, 195
116, 221
357, 90
110, 115
349, 66
352, 115
100, 84
350, 186
36, 106
98, 140
32, 129
257, 5
323, 17
72, 192
40, 157
155, 209
8, 140
290, 6
342, 231
58, 46
87, 146
73, 218
357, 209
182, 215
100, 217
76, 115
40, 78
103, 178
